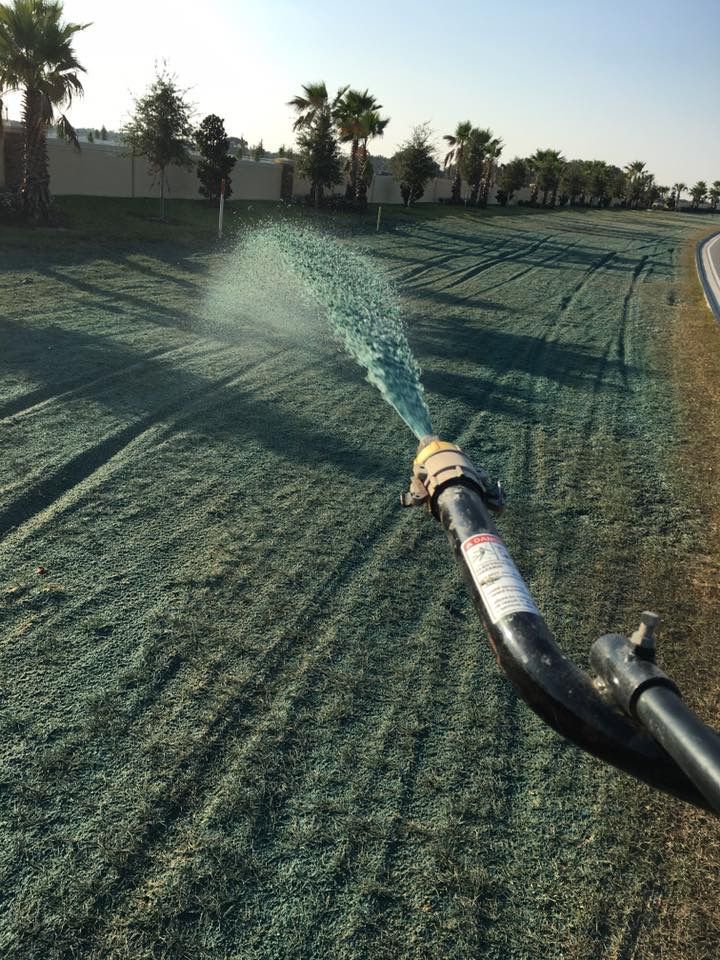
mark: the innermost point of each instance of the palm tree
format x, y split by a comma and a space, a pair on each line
36, 57
351, 114
714, 194
636, 178
698, 193
547, 166
477, 164
371, 125
312, 103
493, 151
677, 190
458, 144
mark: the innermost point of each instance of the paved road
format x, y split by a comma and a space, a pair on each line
709, 269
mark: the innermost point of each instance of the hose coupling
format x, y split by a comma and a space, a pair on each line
437, 465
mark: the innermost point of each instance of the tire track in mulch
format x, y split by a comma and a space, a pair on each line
629, 309
574, 470
210, 400
283, 733
435, 263
463, 275
567, 300
199, 778
195, 775
54, 487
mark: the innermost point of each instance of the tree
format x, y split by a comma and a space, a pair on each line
371, 125
547, 166
357, 117
103, 132
512, 177
319, 156
216, 163
617, 184
312, 104
241, 148
493, 151
458, 144
37, 57
258, 151
698, 193
161, 129
477, 164
415, 163
574, 180
677, 192
90, 137
637, 180
598, 182
714, 194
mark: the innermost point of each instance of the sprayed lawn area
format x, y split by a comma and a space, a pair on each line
247, 711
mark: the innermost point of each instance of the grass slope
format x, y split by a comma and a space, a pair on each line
247, 711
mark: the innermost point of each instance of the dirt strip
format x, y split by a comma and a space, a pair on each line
688, 923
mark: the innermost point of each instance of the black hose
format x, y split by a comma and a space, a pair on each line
694, 746
549, 682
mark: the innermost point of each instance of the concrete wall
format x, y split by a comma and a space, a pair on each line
108, 170
383, 189
11, 149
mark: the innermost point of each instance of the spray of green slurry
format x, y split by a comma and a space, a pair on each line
362, 310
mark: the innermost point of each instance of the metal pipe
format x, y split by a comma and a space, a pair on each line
694, 746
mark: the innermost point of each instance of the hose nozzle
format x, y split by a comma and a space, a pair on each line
437, 465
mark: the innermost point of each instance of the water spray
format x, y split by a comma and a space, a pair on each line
360, 307
630, 714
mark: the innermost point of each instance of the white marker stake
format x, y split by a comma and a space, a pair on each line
222, 208
377, 226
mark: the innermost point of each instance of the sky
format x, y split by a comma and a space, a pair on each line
619, 81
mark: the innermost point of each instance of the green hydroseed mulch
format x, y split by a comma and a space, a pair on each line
247, 711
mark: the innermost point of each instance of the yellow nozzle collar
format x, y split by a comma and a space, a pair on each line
435, 446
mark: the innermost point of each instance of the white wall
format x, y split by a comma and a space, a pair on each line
108, 170
383, 189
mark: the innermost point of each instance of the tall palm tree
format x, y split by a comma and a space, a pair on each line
714, 194
36, 57
636, 178
493, 150
312, 103
547, 166
698, 193
458, 144
351, 114
371, 125
677, 190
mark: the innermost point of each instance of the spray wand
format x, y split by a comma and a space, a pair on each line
630, 714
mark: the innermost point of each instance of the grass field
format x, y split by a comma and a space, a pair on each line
247, 711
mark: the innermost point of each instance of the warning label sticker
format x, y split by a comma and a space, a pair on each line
496, 577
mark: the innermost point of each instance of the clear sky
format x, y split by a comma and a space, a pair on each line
619, 80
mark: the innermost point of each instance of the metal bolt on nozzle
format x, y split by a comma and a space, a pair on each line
644, 638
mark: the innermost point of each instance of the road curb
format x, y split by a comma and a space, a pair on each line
712, 292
